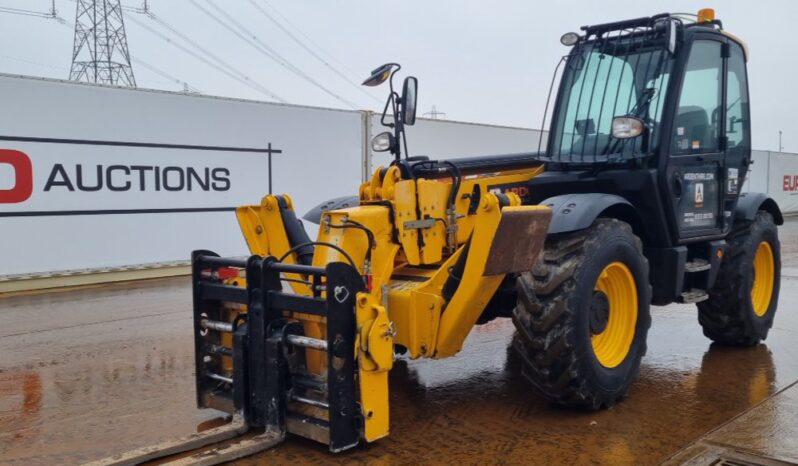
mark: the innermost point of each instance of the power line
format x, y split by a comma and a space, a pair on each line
266, 50
39, 14
68, 24
310, 51
237, 75
269, 51
22, 60
214, 61
138, 60
165, 75
242, 36
311, 41
256, 85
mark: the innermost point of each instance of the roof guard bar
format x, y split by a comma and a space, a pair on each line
626, 24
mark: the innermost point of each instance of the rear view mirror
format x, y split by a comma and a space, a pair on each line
668, 28
671, 37
409, 98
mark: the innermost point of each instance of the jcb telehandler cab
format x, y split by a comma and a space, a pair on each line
635, 201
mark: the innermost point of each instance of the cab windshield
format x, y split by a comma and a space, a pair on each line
605, 78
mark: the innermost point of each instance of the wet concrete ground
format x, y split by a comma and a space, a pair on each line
92, 372
764, 435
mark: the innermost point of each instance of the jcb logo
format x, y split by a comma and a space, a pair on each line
22, 177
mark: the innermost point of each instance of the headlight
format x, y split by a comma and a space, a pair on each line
569, 38
382, 142
626, 127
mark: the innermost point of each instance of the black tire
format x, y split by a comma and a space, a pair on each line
554, 311
728, 316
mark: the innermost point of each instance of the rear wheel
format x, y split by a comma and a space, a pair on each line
743, 301
583, 315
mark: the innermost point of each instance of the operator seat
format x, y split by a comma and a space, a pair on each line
695, 121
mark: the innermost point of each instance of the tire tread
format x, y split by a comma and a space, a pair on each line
545, 318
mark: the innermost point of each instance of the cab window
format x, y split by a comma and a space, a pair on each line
738, 130
696, 129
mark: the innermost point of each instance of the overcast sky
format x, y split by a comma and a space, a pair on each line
481, 61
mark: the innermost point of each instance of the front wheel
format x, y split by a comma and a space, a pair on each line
583, 315
742, 303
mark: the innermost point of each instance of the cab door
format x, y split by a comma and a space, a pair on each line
737, 129
696, 156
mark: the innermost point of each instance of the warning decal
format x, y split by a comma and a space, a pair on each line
698, 207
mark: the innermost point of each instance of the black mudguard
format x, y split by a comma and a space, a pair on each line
314, 214
749, 204
572, 212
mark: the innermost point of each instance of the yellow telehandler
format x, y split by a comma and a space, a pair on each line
634, 201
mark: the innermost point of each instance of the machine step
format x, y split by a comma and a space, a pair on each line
697, 265
694, 295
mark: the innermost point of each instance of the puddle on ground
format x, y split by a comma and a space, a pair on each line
96, 389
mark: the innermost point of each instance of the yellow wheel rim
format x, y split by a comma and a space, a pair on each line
612, 344
764, 278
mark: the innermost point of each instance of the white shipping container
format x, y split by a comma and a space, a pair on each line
122, 177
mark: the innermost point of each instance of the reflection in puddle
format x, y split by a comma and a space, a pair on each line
476, 405
90, 407
478, 408
20, 408
748, 373
98, 399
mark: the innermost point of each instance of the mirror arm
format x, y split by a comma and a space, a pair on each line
394, 103
385, 112
398, 128
404, 140
394, 100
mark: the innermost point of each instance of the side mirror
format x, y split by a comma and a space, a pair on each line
671, 37
409, 99
627, 127
667, 27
